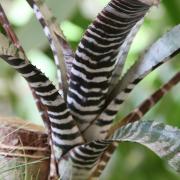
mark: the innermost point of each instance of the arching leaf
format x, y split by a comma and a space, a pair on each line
64, 132
162, 139
160, 52
96, 56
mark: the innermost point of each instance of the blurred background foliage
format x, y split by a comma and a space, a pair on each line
131, 161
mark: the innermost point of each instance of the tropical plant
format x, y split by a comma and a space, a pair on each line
92, 88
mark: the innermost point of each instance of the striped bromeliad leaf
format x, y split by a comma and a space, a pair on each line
123, 52
41, 108
160, 52
64, 131
96, 57
163, 139
160, 138
15, 41
81, 129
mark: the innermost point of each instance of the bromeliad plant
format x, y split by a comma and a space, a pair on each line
79, 121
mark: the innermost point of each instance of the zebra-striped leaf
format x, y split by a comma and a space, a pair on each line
96, 56
123, 52
159, 53
81, 160
64, 132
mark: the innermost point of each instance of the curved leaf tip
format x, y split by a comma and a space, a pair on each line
162, 139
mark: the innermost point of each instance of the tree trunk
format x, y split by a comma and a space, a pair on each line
24, 150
